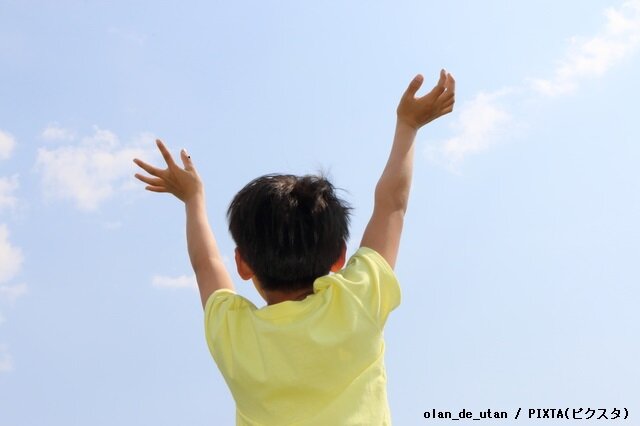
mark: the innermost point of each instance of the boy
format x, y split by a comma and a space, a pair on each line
315, 354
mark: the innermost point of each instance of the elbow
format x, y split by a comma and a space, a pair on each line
202, 264
394, 199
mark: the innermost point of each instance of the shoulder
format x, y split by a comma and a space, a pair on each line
223, 300
368, 261
369, 279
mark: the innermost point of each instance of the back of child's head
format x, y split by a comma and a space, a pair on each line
289, 229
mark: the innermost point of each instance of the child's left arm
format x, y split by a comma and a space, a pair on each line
185, 184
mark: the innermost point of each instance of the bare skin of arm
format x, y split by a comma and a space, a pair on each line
384, 229
186, 185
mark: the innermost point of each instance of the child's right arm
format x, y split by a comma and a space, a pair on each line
392, 191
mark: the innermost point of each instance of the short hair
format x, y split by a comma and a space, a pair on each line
289, 229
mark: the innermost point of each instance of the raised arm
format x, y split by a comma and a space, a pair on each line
392, 191
185, 184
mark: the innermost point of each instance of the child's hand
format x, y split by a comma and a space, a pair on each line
183, 183
416, 112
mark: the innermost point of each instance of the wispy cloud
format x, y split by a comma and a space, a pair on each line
10, 263
93, 170
478, 126
54, 132
6, 361
484, 120
8, 185
594, 56
10, 257
182, 281
7, 143
11, 293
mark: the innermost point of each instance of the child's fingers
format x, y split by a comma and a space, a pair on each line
156, 188
443, 77
414, 86
165, 154
450, 83
439, 88
149, 180
186, 160
448, 103
147, 167
447, 97
447, 110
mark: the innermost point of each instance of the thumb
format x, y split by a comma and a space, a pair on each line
413, 86
186, 160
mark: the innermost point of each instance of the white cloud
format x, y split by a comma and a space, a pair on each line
6, 362
7, 143
53, 132
483, 121
7, 186
478, 126
11, 293
92, 171
182, 281
10, 257
592, 57
10, 262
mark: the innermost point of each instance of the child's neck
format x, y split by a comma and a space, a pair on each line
276, 296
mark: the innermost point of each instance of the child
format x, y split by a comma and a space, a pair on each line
315, 354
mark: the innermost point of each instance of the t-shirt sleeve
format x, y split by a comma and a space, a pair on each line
369, 277
220, 305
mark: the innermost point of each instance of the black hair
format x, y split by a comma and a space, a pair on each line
289, 229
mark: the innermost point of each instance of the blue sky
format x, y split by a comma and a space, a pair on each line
519, 262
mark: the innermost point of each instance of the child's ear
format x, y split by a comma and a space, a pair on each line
340, 262
244, 270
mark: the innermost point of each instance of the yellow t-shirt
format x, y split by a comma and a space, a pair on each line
319, 361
